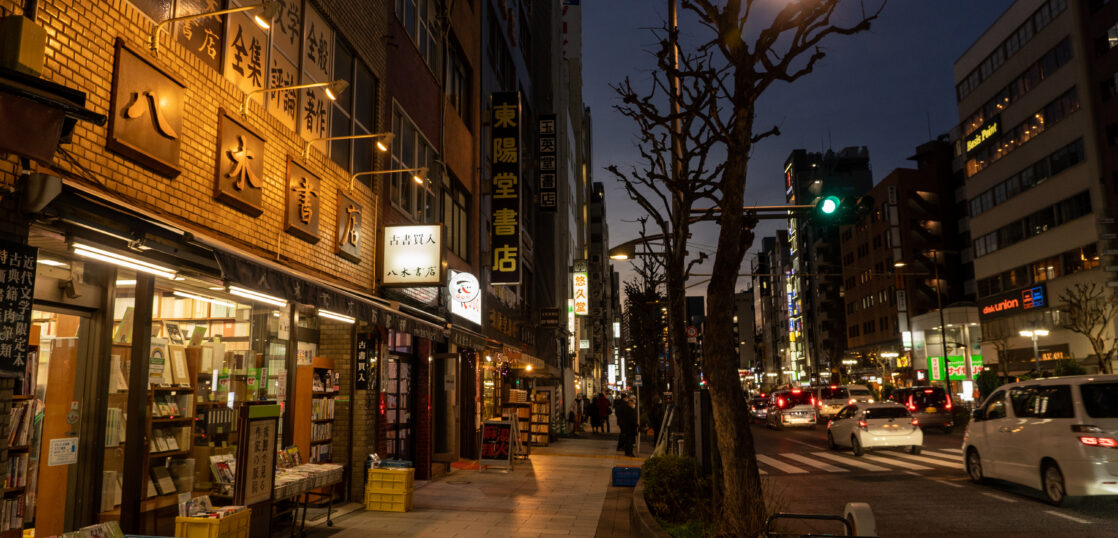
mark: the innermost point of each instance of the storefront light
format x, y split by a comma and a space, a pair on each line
52, 263
257, 296
528, 367
87, 251
220, 302
336, 316
125, 283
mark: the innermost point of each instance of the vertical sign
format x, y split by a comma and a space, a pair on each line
347, 243
505, 219
283, 68
303, 202
246, 53
549, 189
318, 61
581, 284
256, 454
17, 287
366, 360
203, 36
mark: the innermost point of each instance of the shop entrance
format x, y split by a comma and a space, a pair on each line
398, 393
444, 378
52, 422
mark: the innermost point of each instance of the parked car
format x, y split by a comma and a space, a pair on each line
1058, 435
930, 405
759, 408
795, 407
865, 426
831, 399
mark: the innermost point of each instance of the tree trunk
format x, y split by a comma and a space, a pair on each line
743, 506
683, 378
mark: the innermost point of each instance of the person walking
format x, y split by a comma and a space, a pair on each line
627, 423
592, 412
604, 411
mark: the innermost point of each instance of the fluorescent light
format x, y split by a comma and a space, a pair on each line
335, 316
257, 296
123, 261
52, 263
125, 283
221, 302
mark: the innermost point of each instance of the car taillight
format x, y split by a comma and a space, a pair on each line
948, 404
862, 424
915, 422
780, 403
851, 402
813, 401
1099, 441
910, 405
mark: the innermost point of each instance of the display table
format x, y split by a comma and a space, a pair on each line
304, 480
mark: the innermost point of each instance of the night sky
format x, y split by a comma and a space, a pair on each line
886, 89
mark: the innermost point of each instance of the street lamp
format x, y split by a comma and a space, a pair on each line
263, 13
384, 141
332, 89
1034, 334
419, 175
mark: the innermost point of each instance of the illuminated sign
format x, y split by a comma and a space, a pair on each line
1012, 302
581, 291
984, 134
465, 296
956, 367
413, 255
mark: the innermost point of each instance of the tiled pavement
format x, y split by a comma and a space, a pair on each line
562, 491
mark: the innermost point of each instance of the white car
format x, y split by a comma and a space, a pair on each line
831, 399
863, 426
795, 407
1058, 435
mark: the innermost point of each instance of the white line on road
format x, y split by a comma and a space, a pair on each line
948, 456
815, 446
933, 461
1065, 516
944, 482
898, 463
773, 462
814, 463
999, 497
847, 460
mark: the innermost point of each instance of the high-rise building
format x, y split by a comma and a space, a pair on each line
816, 329
745, 338
770, 294
1030, 135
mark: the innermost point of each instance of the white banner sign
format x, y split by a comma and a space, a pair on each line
465, 296
412, 255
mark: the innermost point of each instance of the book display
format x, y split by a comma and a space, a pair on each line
22, 434
316, 389
541, 417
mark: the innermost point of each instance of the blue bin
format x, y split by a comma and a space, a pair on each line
626, 477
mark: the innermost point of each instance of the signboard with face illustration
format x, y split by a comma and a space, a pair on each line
465, 296
349, 234
413, 256
239, 175
146, 110
304, 202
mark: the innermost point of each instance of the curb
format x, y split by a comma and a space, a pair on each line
641, 521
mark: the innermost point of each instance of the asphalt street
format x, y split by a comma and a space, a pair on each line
925, 495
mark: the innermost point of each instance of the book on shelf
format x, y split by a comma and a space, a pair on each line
163, 483
114, 427
179, 373
197, 335
123, 333
173, 333
223, 468
110, 490
157, 363
117, 380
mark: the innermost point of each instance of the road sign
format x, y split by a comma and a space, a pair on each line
637, 381
549, 317
692, 334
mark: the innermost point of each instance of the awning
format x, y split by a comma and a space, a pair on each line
463, 337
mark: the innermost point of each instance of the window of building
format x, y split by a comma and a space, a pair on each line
421, 21
1020, 134
456, 210
410, 150
459, 81
353, 113
1040, 19
850, 308
852, 331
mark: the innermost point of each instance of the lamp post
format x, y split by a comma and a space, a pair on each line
419, 175
332, 89
1034, 334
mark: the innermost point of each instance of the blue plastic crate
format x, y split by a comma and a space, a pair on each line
397, 464
626, 477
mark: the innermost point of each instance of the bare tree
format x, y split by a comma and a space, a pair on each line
1090, 310
784, 50
645, 324
668, 189
997, 335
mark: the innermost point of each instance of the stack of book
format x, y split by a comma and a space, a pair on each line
17, 471
19, 421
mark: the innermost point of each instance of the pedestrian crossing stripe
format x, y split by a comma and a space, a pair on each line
952, 450
877, 462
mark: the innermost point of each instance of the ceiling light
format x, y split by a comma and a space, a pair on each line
123, 261
257, 296
125, 283
221, 302
335, 316
52, 263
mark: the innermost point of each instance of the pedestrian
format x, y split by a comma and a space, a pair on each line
627, 423
595, 417
604, 411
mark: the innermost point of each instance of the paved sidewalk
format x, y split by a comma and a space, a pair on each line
561, 491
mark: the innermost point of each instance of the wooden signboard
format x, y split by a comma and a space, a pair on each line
497, 443
256, 454
17, 264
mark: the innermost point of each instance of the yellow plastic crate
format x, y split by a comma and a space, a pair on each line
234, 526
390, 480
388, 502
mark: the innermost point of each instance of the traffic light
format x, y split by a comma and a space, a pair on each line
841, 211
828, 205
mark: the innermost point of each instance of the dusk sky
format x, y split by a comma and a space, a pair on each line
889, 89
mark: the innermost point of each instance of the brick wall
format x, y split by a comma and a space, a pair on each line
79, 54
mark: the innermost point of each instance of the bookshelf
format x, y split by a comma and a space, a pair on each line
315, 394
20, 437
541, 417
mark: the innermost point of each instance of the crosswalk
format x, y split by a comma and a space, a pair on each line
843, 461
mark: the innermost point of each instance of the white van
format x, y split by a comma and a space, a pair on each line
1058, 435
831, 399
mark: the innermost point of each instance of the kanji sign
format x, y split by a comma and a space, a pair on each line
505, 219
549, 188
239, 174
246, 54
203, 36
581, 285
146, 110
496, 443
366, 362
349, 234
17, 289
318, 63
413, 255
304, 200
956, 367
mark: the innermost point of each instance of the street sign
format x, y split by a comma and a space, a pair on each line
692, 334
549, 317
637, 381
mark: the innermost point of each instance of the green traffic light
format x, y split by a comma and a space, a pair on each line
829, 205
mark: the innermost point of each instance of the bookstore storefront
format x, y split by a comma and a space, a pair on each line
181, 334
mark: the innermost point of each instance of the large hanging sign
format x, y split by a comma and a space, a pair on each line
549, 187
347, 242
146, 110
239, 174
581, 288
505, 219
413, 256
465, 296
304, 200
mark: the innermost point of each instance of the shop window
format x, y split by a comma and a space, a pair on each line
353, 113
456, 211
411, 150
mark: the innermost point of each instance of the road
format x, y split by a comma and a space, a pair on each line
925, 495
